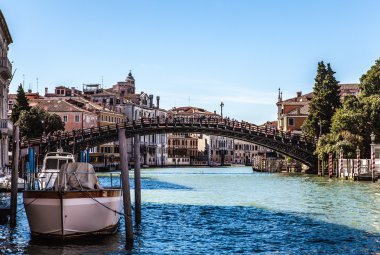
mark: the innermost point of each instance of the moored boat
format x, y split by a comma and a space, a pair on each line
51, 166
6, 183
77, 205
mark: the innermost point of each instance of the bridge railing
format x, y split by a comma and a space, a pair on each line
214, 123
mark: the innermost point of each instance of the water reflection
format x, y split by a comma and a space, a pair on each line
214, 211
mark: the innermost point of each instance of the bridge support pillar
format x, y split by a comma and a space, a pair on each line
137, 176
126, 188
14, 176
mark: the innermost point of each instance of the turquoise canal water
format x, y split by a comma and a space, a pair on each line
233, 211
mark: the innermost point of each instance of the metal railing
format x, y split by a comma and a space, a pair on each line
42, 181
215, 123
349, 168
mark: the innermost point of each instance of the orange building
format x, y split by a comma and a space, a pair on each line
292, 112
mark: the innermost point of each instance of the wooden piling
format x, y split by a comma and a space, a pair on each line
14, 178
137, 176
126, 188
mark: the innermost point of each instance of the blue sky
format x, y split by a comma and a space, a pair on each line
197, 52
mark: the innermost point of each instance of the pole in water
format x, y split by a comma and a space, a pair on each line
14, 178
126, 188
137, 175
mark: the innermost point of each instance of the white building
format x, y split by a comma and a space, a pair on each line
5, 79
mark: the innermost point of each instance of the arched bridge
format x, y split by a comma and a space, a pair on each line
298, 147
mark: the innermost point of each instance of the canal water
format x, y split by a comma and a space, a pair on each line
232, 211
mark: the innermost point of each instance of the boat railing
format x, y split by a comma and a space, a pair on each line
44, 181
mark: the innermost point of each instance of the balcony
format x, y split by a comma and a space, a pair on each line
6, 127
5, 68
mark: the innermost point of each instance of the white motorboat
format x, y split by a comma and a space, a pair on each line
6, 181
50, 167
76, 206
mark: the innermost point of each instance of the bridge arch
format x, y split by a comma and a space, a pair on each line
298, 147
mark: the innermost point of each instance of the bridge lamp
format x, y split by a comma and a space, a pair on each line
221, 109
373, 157
373, 137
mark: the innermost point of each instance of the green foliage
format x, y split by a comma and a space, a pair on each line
370, 81
22, 104
333, 142
352, 125
53, 122
325, 101
35, 122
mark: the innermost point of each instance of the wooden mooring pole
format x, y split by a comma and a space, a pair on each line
137, 175
126, 188
14, 178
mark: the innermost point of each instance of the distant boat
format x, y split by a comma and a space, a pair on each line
5, 182
76, 205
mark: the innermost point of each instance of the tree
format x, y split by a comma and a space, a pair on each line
53, 122
370, 81
358, 117
37, 121
22, 104
325, 101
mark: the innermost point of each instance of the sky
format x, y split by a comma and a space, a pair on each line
193, 52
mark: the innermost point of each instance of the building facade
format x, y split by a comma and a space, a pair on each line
292, 112
5, 79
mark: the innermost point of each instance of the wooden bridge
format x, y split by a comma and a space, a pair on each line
295, 146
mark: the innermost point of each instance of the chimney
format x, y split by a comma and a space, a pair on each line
46, 90
151, 101
299, 93
158, 102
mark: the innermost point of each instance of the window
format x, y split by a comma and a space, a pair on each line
65, 118
291, 122
76, 118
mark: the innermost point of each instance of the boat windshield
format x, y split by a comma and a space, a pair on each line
54, 163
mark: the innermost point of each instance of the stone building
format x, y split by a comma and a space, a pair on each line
188, 148
292, 112
5, 79
73, 116
135, 106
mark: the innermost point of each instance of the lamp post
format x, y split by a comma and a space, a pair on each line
43, 128
358, 161
340, 162
373, 158
320, 128
221, 109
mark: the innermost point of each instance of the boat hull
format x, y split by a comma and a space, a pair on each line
73, 213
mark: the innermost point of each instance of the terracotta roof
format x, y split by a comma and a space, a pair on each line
302, 98
350, 86
304, 110
52, 105
309, 96
190, 110
104, 93
12, 96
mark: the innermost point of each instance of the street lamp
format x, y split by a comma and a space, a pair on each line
358, 160
320, 128
221, 109
43, 128
373, 158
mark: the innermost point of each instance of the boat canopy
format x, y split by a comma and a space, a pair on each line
76, 176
